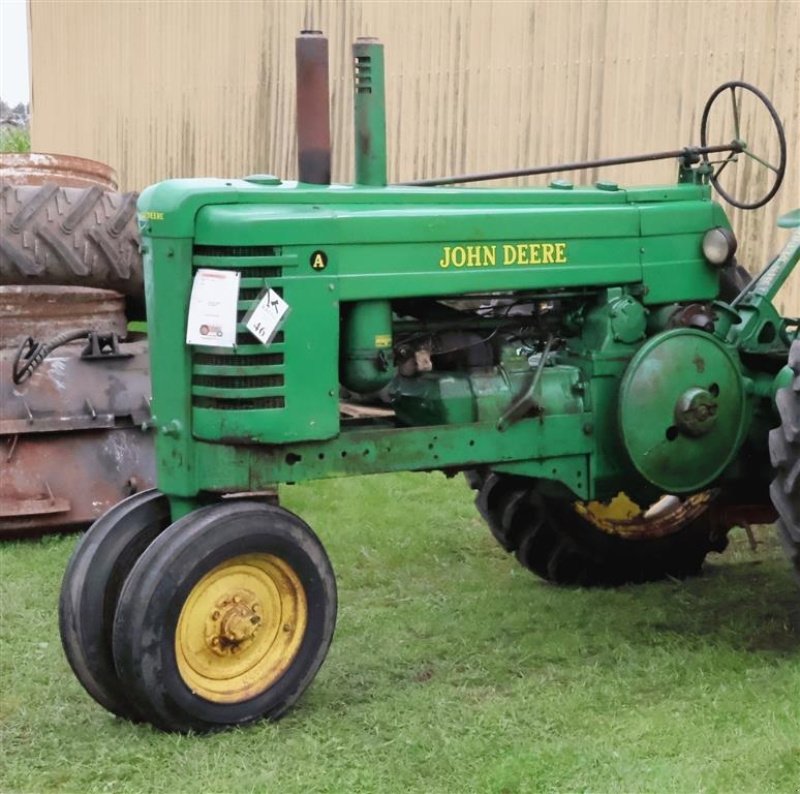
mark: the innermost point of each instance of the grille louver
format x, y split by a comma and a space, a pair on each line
248, 377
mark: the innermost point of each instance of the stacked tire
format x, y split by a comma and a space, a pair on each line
85, 237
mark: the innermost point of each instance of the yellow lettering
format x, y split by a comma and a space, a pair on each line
473, 256
318, 263
527, 253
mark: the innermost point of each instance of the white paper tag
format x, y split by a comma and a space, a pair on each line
212, 308
266, 315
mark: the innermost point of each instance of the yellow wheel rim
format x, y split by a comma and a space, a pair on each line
240, 628
623, 517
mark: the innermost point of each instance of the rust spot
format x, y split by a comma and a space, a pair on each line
70, 439
313, 109
43, 312
699, 363
35, 168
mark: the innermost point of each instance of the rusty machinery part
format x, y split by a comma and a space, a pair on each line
784, 450
73, 236
38, 168
736, 89
31, 354
225, 618
92, 582
73, 438
313, 108
48, 311
588, 544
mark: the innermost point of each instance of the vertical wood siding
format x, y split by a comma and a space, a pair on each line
164, 89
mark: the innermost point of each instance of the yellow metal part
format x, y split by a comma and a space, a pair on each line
623, 517
240, 628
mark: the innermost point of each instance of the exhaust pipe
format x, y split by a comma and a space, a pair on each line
313, 108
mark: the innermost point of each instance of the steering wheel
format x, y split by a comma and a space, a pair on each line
739, 145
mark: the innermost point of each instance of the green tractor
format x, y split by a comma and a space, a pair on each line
592, 358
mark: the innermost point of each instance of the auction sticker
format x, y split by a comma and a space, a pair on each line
266, 316
212, 308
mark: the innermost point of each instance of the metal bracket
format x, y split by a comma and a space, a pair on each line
102, 346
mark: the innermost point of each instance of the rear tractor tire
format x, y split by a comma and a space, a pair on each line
784, 450
590, 544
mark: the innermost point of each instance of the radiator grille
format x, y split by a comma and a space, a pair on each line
248, 377
238, 382
236, 250
256, 359
220, 404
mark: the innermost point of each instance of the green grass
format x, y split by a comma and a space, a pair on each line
452, 670
14, 140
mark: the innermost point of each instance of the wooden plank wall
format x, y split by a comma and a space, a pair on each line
163, 89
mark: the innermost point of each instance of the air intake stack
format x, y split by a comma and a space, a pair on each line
370, 112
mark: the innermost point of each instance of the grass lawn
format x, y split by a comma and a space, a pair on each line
452, 670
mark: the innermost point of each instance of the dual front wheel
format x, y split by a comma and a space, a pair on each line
220, 618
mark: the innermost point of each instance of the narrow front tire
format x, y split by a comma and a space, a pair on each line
226, 618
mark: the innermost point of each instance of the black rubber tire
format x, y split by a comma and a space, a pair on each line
158, 586
784, 450
551, 539
84, 237
91, 586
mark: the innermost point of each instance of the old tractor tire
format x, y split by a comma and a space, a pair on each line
85, 237
92, 582
784, 450
561, 542
225, 618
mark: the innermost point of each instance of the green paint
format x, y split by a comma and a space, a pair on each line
601, 272
370, 120
367, 357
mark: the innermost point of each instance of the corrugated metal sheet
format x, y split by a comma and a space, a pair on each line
207, 88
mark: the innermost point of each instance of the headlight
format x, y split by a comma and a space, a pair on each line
719, 246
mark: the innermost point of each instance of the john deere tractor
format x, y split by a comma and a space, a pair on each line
593, 359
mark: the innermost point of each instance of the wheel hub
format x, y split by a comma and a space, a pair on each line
233, 623
240, 628
696, 412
